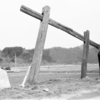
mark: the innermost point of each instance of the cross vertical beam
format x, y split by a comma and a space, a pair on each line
85, 55
37, 57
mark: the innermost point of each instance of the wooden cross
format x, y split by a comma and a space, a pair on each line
31, 76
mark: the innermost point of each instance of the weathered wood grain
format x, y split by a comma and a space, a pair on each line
37, 57
85, 55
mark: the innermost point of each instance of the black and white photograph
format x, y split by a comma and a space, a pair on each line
49, 50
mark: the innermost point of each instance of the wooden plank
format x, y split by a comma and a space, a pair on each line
25, 78
99, 60
85, 55
35, 67
57, 25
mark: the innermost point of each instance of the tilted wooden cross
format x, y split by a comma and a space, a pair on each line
32, 73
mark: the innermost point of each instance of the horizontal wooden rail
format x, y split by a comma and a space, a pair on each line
57, 25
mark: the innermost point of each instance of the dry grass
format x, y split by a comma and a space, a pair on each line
54, 81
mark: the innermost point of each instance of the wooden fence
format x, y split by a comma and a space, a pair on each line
45, 20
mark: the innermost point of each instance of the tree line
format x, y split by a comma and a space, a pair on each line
55, 55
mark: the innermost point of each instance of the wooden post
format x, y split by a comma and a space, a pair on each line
35, 67
85, 55
99, 60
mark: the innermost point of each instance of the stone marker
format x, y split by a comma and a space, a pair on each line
4, 81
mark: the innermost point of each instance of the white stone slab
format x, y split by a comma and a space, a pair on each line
4, 80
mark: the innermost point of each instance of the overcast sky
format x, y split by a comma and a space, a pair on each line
19, 29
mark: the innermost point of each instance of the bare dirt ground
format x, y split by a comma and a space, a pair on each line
63, 84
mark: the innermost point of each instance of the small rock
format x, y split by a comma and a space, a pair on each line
34, 88
46, 89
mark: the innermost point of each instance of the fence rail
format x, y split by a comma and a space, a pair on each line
57, 25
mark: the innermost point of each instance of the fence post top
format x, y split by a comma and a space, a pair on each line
87, 31
46, 8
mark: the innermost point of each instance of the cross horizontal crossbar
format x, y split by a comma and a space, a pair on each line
57, 25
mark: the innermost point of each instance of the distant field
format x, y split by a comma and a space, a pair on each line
58, 68
53, 72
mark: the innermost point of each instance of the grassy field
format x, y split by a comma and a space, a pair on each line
53, 72
54, 81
